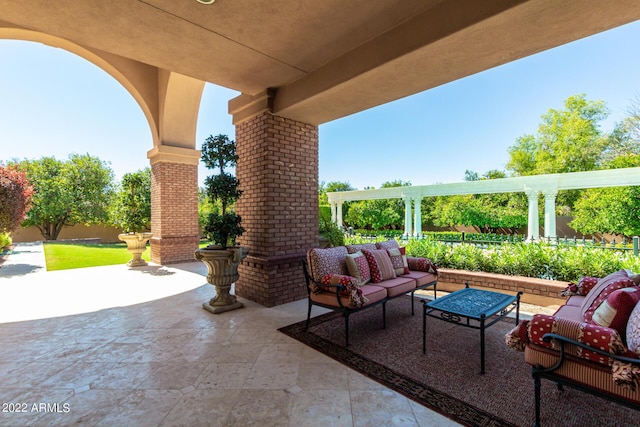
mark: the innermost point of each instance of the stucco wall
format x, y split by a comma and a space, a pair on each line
106, 234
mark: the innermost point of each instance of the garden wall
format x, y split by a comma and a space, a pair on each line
536, 291
105, 234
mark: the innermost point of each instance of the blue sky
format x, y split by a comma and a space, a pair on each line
53, 103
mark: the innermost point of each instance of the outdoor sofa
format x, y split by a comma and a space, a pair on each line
356, 277
591, 343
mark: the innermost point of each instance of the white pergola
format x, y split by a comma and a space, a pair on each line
532, 186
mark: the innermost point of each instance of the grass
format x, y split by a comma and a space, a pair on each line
62, 256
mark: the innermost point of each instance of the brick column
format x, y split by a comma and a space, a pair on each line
278, 172
174, 204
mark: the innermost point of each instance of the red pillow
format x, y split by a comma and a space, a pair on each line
379, 265
604, 294
614, 312
590, 304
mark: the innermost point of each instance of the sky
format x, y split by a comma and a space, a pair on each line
54, 103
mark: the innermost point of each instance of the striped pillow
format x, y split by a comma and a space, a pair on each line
379, 265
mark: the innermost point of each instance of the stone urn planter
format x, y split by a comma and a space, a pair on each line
136, 245
222, 266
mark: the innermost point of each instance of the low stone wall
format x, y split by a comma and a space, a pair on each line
536, 291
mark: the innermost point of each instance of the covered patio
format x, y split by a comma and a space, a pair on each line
112, 346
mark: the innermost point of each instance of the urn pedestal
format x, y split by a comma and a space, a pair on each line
136, 245
222, 266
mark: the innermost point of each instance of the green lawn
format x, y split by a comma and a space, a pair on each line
61, 256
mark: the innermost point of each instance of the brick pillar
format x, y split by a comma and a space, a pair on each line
174, 204
278, 172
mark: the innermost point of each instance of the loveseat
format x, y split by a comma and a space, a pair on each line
356, 277
591, 343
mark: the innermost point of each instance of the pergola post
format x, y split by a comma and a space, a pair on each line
550, 213
533, 227
334, 217
339, 215
407, 217
417, 211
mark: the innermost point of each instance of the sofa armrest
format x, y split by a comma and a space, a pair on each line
598, 343
625, 368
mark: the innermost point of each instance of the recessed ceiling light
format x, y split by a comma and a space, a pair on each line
205, 1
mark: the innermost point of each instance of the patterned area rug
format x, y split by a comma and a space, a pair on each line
447, 378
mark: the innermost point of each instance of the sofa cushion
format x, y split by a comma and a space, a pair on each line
389, 244
569, 312
398, 286
612, 282
614, 312
584, 285
327, 261
358, 267
371, 292
422, 264
633, 330
398, 258
352, 249
379, 265
421, 277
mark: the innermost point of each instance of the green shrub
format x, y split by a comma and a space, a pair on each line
543, 260
5, 241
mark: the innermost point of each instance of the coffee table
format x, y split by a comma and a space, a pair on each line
472, 308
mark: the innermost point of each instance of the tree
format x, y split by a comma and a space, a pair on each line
16, 194
568, 140
219, 152
330, 187
489, 212
66, 193
131, 208
378, 214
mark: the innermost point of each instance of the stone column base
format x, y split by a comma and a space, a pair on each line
173, 250
272, 281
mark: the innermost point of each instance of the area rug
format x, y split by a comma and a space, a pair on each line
447, 378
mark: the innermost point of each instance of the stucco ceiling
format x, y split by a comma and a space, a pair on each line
322, 59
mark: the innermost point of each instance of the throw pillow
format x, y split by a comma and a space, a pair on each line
633, 330
422, 264
589, 303
352, 249
604, 294
614, 312
399, 260
358, 267
379, 265
351, 288
389, 244
583, 287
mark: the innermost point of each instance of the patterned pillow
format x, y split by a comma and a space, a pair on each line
379, 265
352, 249
604, 294
399, 260
614, 312
422, 264
354, 292
327, 261
605, 339
358, 267
633, 330
585, 284
389, 244
604, 283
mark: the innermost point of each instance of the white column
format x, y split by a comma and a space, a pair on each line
339, 215
533, 227
550, 212
333, 212
417, 211
407, 217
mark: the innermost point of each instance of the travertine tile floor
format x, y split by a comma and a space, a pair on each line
109, 346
